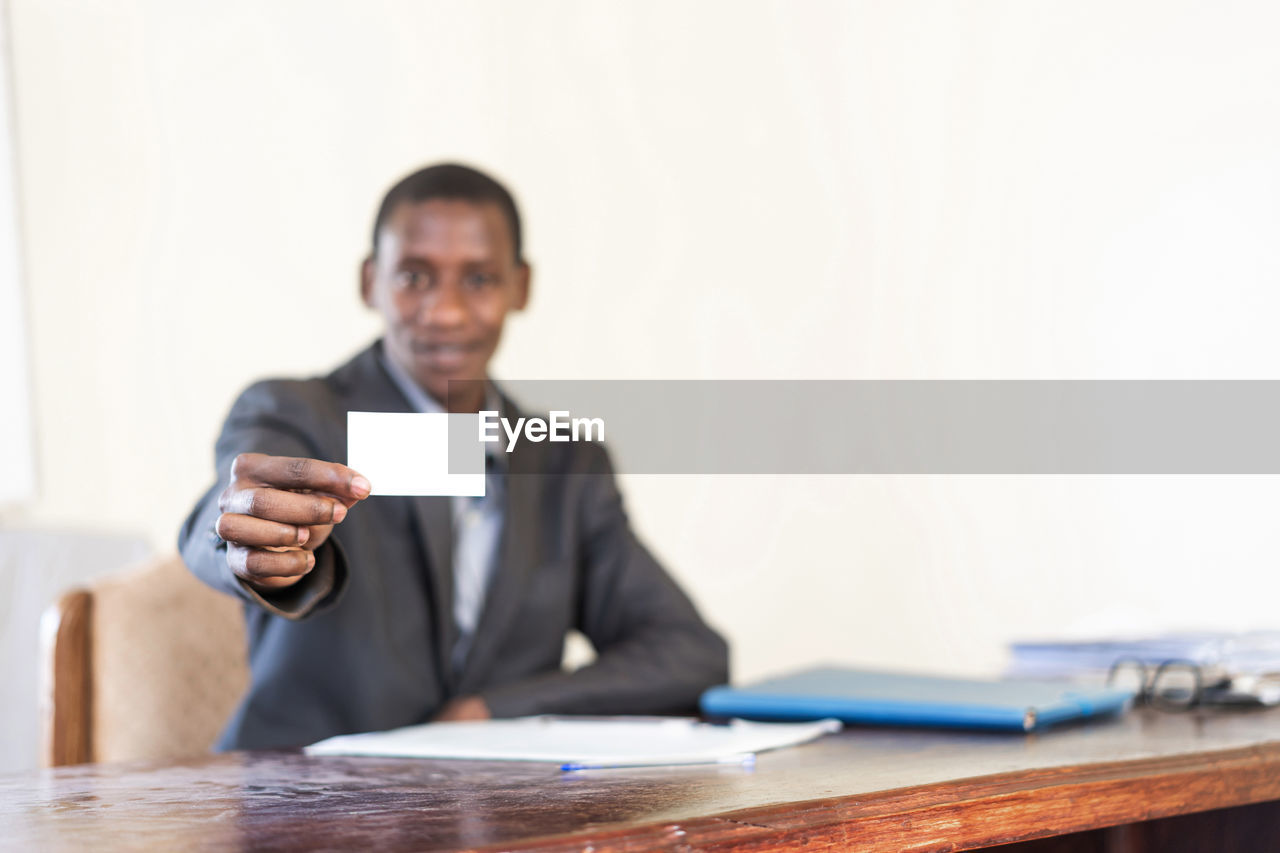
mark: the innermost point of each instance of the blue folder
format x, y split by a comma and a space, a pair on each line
900, 699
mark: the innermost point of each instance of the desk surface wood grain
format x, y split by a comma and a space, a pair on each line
875, 789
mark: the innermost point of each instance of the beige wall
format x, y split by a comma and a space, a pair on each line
16, 457
713, 190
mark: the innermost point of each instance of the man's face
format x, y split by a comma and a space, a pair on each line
444, 278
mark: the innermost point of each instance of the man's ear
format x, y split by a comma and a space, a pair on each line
524, 277
366, 281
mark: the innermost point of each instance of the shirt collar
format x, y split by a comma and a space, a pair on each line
422, 402
419, 400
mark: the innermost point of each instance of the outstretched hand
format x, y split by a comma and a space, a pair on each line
277, 510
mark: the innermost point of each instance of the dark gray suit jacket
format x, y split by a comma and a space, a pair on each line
362, 643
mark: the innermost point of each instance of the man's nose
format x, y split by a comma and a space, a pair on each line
444, 306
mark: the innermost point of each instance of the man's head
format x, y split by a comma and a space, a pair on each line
444, 271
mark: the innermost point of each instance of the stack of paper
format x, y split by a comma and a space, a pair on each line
1256, 652
580, 743
1247, 665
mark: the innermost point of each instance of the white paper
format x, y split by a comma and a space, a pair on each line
408, 454
622, 741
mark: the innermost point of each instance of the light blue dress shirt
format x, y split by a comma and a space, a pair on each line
477, 524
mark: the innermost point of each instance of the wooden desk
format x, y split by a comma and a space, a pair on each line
867, 789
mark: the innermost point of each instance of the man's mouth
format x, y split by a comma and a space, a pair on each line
445, 356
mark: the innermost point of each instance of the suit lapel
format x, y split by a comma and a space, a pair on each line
518, 554
433, 517
367, 387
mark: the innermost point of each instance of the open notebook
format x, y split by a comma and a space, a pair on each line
579, 743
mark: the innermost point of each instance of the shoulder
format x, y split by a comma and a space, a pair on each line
550, 450
278, 394
293, 401
560, 449
319, 395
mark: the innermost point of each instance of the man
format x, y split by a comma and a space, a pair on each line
370, 614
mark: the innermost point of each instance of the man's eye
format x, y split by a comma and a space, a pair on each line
479, 279
413, 279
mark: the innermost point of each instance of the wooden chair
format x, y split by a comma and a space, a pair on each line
146, 664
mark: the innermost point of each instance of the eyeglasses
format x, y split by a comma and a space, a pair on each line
1174, 685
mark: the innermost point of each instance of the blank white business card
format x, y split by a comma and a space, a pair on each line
408, 454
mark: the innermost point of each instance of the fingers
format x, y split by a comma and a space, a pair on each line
278, 509
291, 472
269, 568
464, 708
280, 506
265, 553
260, 533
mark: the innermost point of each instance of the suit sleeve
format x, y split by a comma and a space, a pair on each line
655, 654
275, 418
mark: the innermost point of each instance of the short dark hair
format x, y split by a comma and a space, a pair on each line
451, 181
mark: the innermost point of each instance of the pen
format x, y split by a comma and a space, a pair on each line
746, 760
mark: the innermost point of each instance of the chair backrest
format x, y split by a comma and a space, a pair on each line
146, 664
